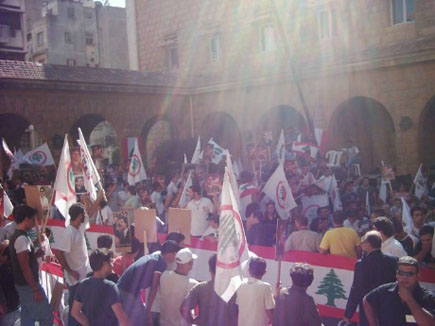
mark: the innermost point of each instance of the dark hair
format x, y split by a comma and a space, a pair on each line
257, 267
379, 212
417, 208
104, 241
258, 214
338, 217
212, 263
22, 212
97, 259
132, 190
408, 261
251, 208
384, 225
156, 185
302, 220
169, 246
302, 274
6, 252
319, 209
103, 203
175, 236
397, 224
426, 229
196, 188
373, 238
75, 210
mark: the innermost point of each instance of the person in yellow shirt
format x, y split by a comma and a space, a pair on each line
340, 240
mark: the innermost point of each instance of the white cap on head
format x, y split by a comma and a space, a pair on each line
184, 256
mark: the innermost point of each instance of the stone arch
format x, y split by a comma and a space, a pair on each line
426, 135
156, 130
367, 124
98, 133
224, 130
283, 117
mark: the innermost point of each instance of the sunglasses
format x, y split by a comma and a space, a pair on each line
406, 274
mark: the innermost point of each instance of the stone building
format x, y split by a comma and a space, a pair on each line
366, 71
77, 33
12, 30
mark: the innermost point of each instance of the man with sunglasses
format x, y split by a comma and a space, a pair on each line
395, 304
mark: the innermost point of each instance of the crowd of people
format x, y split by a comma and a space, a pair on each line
365, 227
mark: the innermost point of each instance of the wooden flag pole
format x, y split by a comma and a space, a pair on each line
278, 278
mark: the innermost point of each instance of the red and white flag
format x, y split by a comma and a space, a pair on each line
310, 204
233, 178
91, 176
196, 157
278, 189
39, 156
232, 246
64, 184
14, 163
136, 172
6, 206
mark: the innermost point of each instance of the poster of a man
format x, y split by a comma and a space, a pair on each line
76, 161
79, 184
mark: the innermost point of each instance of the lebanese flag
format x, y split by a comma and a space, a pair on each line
136, 172
92, 178
65, 195
278, 189
302, 147
6, 206
39, 156
232, 246
196, 157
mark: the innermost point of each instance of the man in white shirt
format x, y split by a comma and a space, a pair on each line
200, 207
72, 253
174, 286
389, 245
255, 297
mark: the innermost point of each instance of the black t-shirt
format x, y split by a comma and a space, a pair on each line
98, 296
7, 287
428, 258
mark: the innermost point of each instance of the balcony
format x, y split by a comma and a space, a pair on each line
5, 34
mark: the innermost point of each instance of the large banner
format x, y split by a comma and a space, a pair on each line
333, 275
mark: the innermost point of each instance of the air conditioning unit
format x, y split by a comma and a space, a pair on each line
5, 33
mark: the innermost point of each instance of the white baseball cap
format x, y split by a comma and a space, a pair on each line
184, 256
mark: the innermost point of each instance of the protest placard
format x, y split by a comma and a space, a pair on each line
179, 220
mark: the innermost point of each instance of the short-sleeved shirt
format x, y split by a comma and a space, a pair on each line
305, 240
213, 311
200, 211
73, 244
341, 241
254, 297
98, 295
173, 289
139, 275
389, 308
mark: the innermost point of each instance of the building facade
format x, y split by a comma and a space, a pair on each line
12, 30
77, 33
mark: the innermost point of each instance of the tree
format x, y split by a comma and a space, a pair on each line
332, 288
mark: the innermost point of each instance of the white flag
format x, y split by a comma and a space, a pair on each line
280, 148
91, 176
406, 213
6, 206
185, 159
196, 157
310, 204
232, 246
383, 190
136, 172
233, 179
334, 194
218, 151
420, 183
64, 184
184, 199
278, 189
14, 163
39, 156
19, 156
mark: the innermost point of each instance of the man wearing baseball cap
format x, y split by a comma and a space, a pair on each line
174, 286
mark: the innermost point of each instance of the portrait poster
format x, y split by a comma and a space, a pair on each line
145, 222
33, 199
122, 231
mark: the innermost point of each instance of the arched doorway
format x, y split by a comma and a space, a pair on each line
367, 124
156, 131
283, 117
100, 137
427, 135
224, 130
